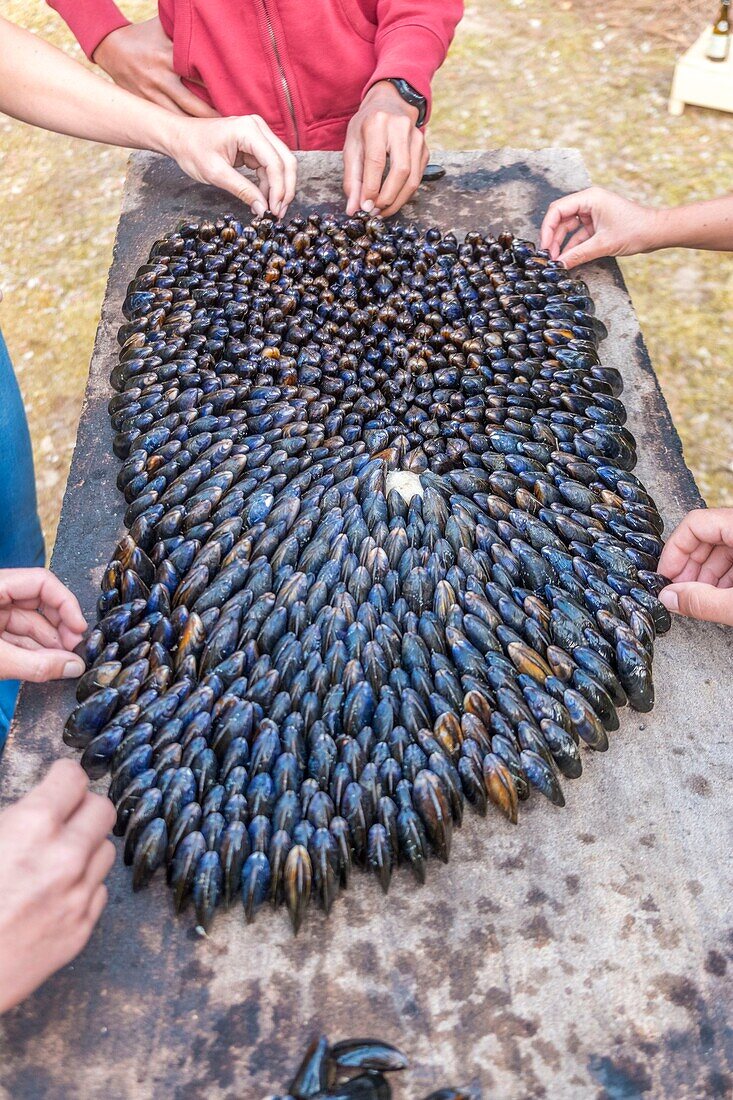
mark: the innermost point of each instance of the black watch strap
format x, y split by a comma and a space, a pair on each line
411, 96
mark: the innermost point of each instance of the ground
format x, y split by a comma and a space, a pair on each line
570, 73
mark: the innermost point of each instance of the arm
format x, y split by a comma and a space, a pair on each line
707, 225
54, 857
411, 43
601, 223
41, 85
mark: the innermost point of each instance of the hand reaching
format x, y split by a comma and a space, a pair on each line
42, 86
54, 857
40, 624
210, 150
600, 224
698, 559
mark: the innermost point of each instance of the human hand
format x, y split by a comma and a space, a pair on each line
40, 624
698, 559
54, 857
384, 125
601, 224
139, 58
210, 151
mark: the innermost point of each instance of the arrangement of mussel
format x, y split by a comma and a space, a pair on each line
385, 554
356, 1069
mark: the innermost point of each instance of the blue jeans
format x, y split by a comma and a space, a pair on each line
21, 538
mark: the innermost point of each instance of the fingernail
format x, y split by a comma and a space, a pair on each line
72, 669
258, 208
367, 206
670, 599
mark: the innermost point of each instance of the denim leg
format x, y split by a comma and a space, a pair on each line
21, 538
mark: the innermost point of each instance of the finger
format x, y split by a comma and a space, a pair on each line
400, 163
229, 179
554, 231
291, 178
96, 862
375, 159
591, 249
726, 580
263, 182
157, 95
353, 170
62, 791
96, 906
69, 637
19, 640
290, 164
561, 233
562, 209
38, 665
690, 572
419, 155
699, 601
259, 142
46, 590
581, 234
100, 864
716, 565
562, 216
187, 101
90, 823
29, 624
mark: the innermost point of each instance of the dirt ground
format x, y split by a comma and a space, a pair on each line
571, 72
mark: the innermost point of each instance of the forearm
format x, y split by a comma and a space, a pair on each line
42, 86
706, 225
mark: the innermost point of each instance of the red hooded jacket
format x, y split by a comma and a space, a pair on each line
303, 65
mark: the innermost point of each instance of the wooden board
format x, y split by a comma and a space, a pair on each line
582, 953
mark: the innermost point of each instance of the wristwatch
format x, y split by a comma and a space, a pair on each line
411, 96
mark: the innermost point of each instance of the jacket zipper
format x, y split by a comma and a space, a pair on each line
281, 70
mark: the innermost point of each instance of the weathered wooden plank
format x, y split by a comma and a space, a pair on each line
582, 953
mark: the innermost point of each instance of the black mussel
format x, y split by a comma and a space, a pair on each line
255, 883
368, 1054
207, 887
90, 717
149, 852
298, 878
366, 1086
500, 785
313, 1074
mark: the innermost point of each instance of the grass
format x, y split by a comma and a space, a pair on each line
572, 72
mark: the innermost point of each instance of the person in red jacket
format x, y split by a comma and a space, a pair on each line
324, 74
